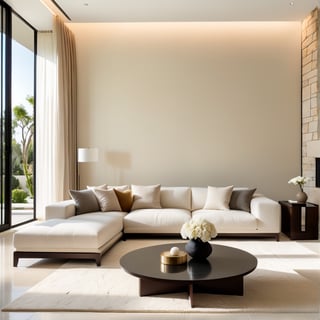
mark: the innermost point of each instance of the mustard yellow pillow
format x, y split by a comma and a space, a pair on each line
125, 199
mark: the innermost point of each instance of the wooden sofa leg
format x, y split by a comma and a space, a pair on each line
15, 259
98, 261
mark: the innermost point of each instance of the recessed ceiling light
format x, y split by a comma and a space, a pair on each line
86, 4
291, 3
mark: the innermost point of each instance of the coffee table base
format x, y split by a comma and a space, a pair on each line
228, 286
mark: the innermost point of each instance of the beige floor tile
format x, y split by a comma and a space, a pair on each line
15, 281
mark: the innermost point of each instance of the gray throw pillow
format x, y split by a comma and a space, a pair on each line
85, 201
241, 199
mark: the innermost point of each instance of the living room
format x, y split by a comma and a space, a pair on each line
190, 101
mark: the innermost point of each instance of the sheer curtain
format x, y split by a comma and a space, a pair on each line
55, 116
47, 180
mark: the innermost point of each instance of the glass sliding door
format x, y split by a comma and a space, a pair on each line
5, 103
23, 93
17, 103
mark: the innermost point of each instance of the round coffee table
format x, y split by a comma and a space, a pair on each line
221, 273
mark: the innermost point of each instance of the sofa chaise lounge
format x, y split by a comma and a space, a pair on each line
154, 211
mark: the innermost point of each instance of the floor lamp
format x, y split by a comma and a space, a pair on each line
86, 155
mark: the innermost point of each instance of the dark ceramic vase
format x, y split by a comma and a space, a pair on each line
198, 249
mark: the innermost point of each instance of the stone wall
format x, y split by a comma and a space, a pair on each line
310, 91
310, 102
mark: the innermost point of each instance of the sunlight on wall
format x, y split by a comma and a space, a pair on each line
192, 103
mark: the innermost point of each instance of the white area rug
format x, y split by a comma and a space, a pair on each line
287, 279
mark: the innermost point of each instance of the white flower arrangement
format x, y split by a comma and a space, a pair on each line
197, 228
300, 181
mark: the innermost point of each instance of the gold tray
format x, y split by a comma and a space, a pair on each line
167, 258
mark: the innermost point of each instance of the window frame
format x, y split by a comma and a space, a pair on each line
6, 109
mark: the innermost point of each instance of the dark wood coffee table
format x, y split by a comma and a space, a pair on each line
221, 273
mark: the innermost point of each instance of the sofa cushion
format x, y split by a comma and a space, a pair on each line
241, 199
85, 201
163, 220
175, 197
218, 198
108, 200
231, 221
125, 199
146, 197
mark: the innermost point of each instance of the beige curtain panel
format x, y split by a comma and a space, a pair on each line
56, 116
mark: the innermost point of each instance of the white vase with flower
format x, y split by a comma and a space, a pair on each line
301, 196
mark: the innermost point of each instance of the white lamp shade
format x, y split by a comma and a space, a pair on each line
88, 154
313, 149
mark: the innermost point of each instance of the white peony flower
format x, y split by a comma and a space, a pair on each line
198, 228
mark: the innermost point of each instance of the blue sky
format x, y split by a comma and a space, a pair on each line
22, 74
22, 78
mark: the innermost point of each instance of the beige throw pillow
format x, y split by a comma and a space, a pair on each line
107, 187
218, 198
108, 200
146, 197
103, 186
120, 188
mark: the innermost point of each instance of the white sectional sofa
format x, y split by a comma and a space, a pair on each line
156, 211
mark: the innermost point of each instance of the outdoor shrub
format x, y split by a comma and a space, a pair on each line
19, 196
14, 183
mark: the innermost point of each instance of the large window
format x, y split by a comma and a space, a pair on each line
23, 80
5, 162
17, 115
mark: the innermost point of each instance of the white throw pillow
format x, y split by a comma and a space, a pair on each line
107, 187
119, 188
218, 198
108, 200
146, 197
103, 186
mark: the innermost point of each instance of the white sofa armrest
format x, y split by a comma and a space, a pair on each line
62, 210
268, 213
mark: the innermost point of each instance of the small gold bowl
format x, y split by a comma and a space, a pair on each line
167, 258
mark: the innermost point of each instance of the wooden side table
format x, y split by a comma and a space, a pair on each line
300, 221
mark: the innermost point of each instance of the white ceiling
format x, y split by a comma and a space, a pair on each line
165, 10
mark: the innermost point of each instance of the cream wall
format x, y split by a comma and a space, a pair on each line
191, 103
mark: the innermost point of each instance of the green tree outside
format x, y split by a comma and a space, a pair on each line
16, 158
23, 127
